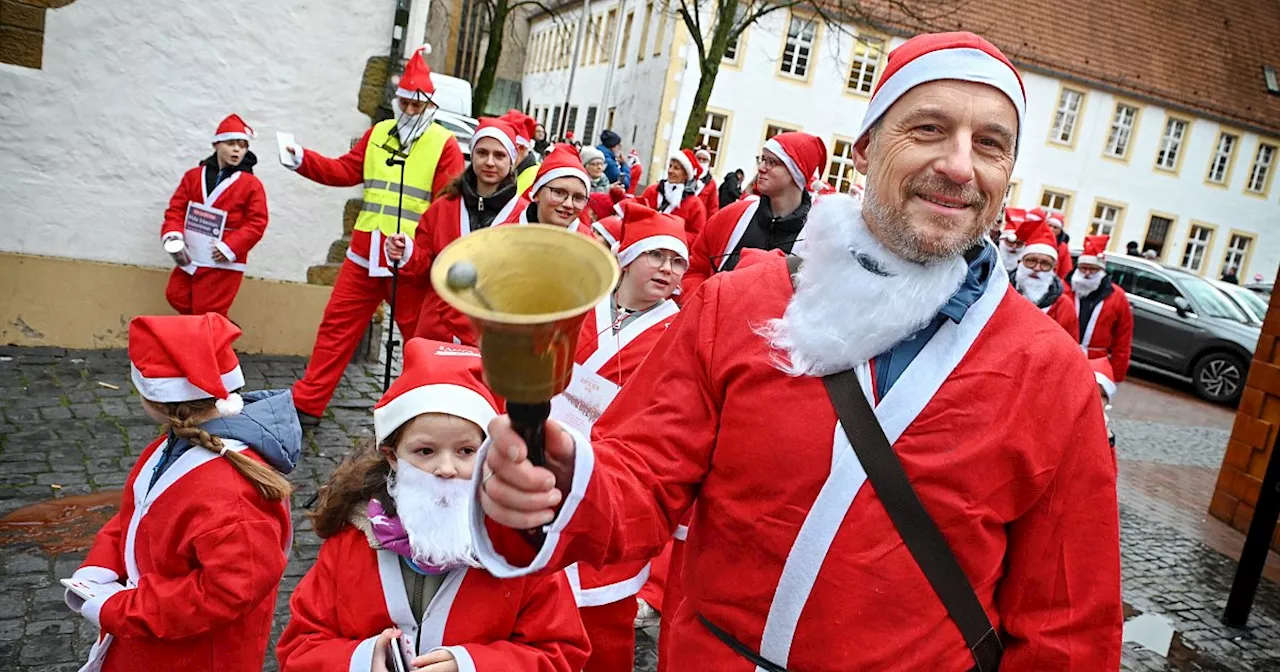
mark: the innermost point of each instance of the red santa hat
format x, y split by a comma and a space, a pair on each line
1013, 217
600, 204
1036, 215
689, 161
437, 378
645, 229
610, 229
499, 130
1054, 219
1039, 239
560, 161
801, 153
703, 151
1104, 376
415, 83
181, 358
937, 56
1095, 249
233, 128
524, 126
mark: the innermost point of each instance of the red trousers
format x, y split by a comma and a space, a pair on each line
210, 290
612, 631
352, 304
672, 596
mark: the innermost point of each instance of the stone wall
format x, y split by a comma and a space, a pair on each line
1254, 435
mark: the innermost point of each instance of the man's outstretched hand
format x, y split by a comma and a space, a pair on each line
514, 492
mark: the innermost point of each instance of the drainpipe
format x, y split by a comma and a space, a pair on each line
603, 110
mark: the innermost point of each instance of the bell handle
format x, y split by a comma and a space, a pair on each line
530, 421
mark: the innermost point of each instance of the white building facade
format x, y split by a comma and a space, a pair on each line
1199, 192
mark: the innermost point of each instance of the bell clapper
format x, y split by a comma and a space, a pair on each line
463, 276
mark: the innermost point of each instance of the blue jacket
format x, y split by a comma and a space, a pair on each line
268, 424
611, 169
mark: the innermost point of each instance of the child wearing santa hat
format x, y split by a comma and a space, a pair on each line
184, 576
221, 189
397, 570
677, 194
559, 192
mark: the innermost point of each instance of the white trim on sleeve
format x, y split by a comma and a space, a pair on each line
362, 657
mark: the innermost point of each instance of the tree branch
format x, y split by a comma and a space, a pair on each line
694, 32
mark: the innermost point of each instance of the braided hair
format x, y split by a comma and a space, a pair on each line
184, 422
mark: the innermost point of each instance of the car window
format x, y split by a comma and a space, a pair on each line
1210, 301
1251, 301
1148, 285
1121, 275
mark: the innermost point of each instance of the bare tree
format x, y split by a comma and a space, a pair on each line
715, 24
499, 12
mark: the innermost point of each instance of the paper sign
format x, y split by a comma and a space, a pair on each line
581, 404
283, 142
89, 589
203, 228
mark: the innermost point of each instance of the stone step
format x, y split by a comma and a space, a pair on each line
325, 275
349, 213
338, 250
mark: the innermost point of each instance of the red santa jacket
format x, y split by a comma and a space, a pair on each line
242, 197
716, 242
614, 357
710, 196
636, 171
1065, 264
336, 615
1063, 311
1021, 484
1108, 332
348, 171
690, 209
203, 554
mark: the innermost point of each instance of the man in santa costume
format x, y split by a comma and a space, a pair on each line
397, 557
773, 220
431, 159
792, 561
614, 340
526, 159
1057, 223
1106, 319
635, 170
1009, 246
676, 195
1035, 278
706, 188
184, 576
224, 187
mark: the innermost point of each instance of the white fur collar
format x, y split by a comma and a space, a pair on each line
854, 298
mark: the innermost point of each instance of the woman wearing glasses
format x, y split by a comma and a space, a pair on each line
677, 195
1035, 278
615, 339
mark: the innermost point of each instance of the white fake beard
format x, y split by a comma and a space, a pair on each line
674, 193
1009, 257
843, 314
1086, 286
436, 513
1033, 284
410, 126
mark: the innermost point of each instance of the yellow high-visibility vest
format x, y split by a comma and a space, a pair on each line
526, 177
382, 182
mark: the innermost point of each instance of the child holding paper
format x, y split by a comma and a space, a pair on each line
397, 571
215, 217
184, 576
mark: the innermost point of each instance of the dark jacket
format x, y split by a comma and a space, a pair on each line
213, 177
482, 210
612, 171
730, 190
766, 232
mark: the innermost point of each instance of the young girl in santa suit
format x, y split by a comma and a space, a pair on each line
615, 339
677, 195
397, 557
186, 572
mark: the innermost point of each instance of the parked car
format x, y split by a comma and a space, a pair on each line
1263, 288
462, 128
1250, 302
1184, 325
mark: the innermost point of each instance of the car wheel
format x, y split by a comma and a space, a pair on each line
1219, 377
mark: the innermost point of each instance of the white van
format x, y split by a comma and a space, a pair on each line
452, 94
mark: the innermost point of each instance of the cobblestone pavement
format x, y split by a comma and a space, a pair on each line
71, 427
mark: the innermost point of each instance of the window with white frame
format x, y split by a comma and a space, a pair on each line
842, 175
711, 135
1066, 116
626, 38
867, 52
644, 32
1121, 134
1175, 130
1261, 170
1237, 253
799, 49
1054, 201
1197, 246
771, 130
661, 41
731, 49
1105, 217
1221, 160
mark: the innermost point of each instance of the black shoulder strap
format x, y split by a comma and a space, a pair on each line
923, 538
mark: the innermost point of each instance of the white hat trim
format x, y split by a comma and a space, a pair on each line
776, 148
1041, 248
980, 67
223, 137
418, 95
633, 251
604, 233
455, 400
1108, 385
491, 132
557, 173
683, 160
1088, 259
1010, 235
179, 389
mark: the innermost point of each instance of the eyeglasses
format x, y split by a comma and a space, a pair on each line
556, 196
768, 162
1044, 264
657, 258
